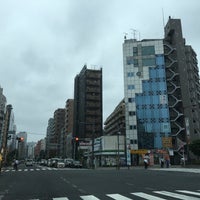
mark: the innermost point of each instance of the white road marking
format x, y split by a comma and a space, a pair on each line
118, 197
175, 195
147, 196
89, 197
189, 192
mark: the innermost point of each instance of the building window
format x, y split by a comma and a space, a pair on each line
131, 87
135, 61
129, 60
130, 74
131, 127
131, 113
148, 62
148, 50
131, 100
135, 51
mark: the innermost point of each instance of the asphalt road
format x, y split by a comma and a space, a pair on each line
105, 184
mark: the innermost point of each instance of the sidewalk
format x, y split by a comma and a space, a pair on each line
154, 167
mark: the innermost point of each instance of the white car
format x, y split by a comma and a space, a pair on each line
60, 163
29, 162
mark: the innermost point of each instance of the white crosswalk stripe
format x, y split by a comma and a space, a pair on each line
118, 197
147, 196
189, 192
176, 195
89, 197
143, 195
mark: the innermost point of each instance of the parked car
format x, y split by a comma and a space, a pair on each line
43, 162
68, 162
77, 164
49, 162
60, 163
29, 162
53, 162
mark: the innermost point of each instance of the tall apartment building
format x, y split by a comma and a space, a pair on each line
5, 131
69, 116
115, 122
51, 145
59, 120
2, 112
182, 85
30, 150
88, 103
161, 86
39, 149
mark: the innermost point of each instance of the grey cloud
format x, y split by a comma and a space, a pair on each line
44, 44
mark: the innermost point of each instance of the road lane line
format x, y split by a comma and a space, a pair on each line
89, 197
189, 192
176, 195
25, 170
31, 169
147, 196
118, 197
61, 198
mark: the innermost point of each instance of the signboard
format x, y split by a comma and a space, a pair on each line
139, 151
167, 142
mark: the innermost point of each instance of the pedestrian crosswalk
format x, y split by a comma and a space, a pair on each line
30, 169
189, 170
153, 195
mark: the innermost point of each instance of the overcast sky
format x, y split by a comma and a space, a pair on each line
45, 43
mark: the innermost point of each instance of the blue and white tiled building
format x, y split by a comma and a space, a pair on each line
147, 112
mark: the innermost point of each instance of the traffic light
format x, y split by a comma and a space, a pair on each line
20, 139
76, 139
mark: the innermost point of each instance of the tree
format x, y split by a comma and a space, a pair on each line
195, 147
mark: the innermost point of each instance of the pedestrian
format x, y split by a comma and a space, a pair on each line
162, 162
145, 163
167, 163
16, 162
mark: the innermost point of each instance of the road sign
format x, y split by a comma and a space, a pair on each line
139, 151
167, 142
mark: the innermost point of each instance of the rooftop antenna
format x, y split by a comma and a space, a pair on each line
134, 33
163, 17
139, 35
